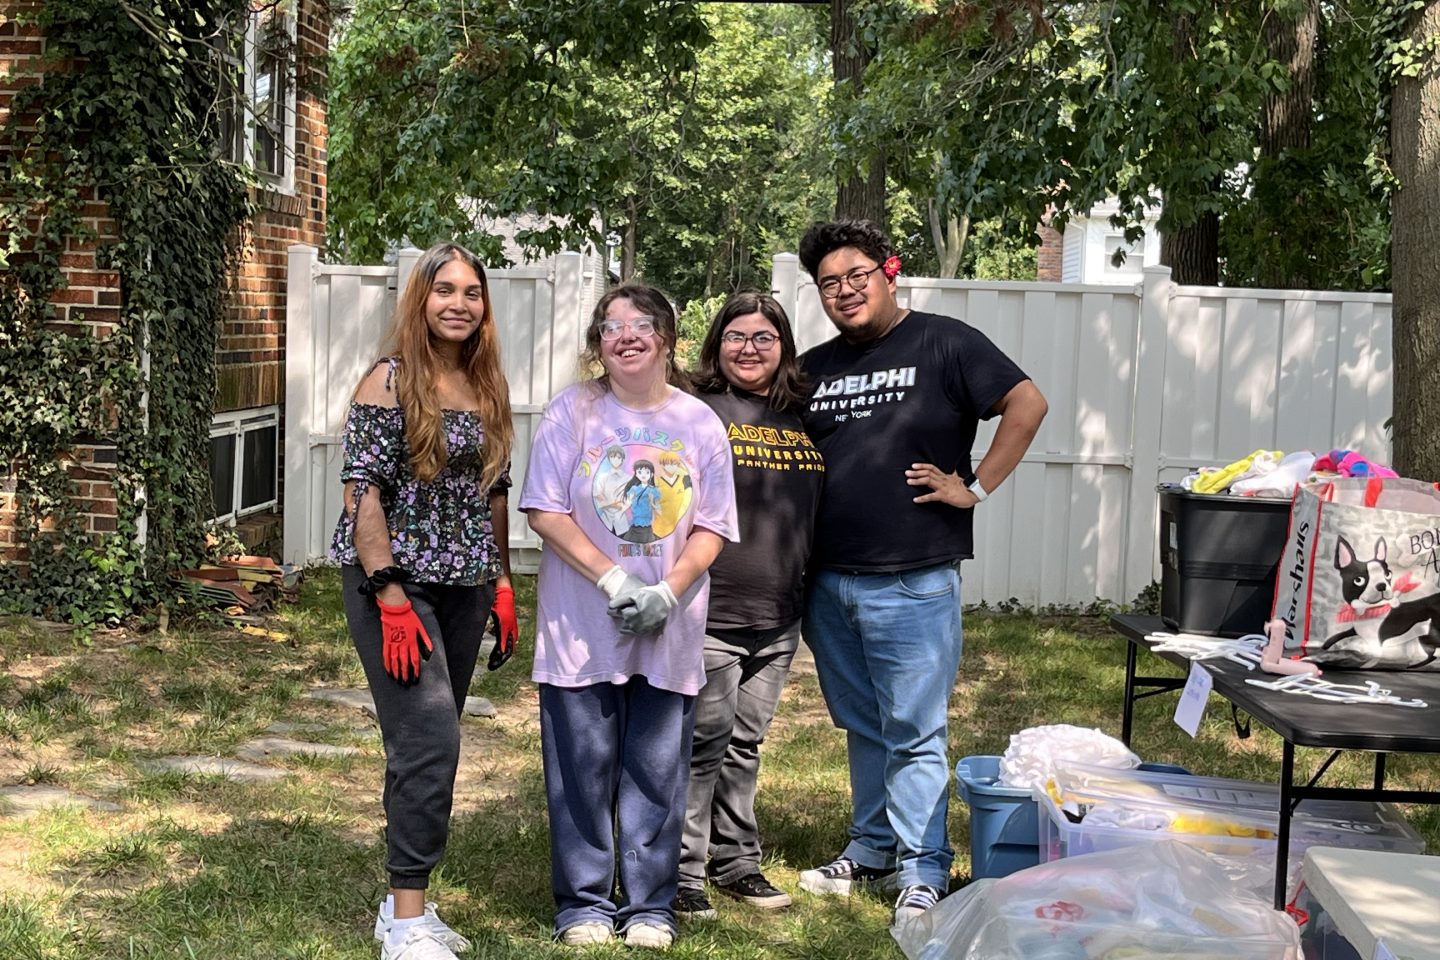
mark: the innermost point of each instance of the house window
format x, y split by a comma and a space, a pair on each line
244, 454
257, 102
1134, 257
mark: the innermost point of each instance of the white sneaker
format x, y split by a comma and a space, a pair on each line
584, 934
420, 943
915, 900
843, 876
650, 935
429, 921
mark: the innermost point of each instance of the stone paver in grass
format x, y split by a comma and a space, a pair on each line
474, 706
26, 801
345, 696
479, 707
231, 769
283, 728
263, 748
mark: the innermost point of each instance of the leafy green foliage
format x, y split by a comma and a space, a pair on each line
696, 127
1001, 109
127, 117
732, 171
442, 111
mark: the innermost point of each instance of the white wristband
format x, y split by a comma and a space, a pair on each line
979, 492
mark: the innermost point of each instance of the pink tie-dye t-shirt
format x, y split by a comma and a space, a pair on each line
637, 482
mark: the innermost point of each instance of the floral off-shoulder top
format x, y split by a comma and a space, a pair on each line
441, 531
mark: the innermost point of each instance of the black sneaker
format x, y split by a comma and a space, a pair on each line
842, 876
691, 902
754, 889
915, 900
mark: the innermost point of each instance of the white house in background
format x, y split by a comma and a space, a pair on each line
596, 265
1090, 242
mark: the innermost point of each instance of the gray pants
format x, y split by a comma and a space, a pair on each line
744, 675
420, 723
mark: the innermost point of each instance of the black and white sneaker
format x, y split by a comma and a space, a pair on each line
691, 903
754, 889
915, 900
842, 876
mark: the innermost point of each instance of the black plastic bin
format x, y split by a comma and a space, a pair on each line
1218, 559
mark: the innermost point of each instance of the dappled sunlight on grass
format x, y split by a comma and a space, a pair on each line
294, 867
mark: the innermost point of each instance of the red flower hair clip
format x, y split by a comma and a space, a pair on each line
891, 267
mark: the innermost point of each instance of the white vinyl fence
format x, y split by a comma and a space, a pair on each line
337, 317
1144, 384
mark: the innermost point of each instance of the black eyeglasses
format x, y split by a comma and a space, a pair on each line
640, 326
857, 279
763, 340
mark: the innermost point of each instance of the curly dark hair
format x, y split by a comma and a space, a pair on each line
790, 389
823, 239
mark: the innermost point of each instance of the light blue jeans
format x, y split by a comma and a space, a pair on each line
887, 648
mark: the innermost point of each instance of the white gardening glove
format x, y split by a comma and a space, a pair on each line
618, 584
645, 610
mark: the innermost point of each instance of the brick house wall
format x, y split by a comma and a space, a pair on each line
251, 350
1049, 256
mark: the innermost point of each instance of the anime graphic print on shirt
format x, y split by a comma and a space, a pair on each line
640, 485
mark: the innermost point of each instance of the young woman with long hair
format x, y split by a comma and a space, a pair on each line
423, 547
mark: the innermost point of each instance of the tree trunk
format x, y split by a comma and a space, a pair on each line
627, 240
1415, 256
1192, 250
861, 195
1286, 119
949, 239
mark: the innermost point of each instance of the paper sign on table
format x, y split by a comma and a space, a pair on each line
1193, 698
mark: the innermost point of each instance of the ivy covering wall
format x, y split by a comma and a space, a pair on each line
128, 115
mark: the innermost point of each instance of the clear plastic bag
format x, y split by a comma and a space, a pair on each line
1160, 900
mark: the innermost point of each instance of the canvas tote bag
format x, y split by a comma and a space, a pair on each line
1359, 581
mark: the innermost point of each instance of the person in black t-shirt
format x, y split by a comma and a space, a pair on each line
749, 376
897, 398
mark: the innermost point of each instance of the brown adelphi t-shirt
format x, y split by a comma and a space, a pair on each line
757, 583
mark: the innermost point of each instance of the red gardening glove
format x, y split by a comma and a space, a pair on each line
507, 629
406, 642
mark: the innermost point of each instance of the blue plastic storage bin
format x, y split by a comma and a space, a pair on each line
1005, 821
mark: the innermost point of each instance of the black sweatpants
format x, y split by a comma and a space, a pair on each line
420, 723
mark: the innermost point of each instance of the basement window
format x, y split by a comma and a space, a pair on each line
244, 460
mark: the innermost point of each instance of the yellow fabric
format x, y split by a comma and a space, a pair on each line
1217, 480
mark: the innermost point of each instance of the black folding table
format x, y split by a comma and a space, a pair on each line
1303, 721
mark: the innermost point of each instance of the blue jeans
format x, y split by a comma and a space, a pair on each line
617, 761
887, 648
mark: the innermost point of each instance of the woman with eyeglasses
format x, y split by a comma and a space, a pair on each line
749, 375
621, 619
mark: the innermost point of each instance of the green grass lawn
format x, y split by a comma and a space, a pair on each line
197, 866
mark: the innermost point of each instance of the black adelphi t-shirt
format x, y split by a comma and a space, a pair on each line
916, 395
757, 583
